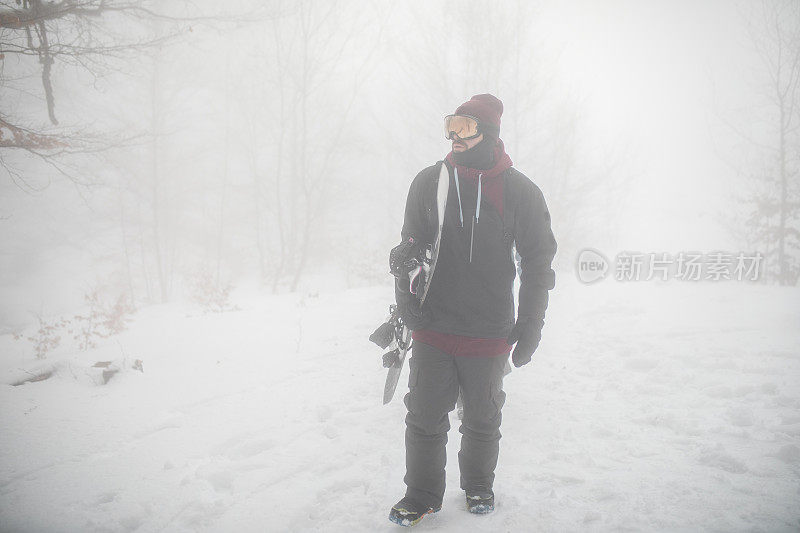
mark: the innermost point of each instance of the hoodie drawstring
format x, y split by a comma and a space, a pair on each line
476, 218
458, 192
478, 206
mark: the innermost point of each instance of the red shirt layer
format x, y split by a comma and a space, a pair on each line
460, 346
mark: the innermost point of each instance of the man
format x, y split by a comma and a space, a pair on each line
466, 328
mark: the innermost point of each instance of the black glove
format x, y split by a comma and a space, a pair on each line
410, 311
526, 334
404, 258
407, 304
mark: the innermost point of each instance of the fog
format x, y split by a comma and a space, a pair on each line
273, 144
197, 203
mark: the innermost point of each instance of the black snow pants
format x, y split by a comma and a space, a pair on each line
434, 382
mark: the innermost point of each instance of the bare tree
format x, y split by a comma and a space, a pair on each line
772, 193
94, 36
308, 104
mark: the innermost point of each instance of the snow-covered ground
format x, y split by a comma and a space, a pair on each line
648, 407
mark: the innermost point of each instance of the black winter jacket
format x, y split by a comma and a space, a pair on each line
475, 299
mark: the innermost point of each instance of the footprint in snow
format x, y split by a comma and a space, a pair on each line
330, 431
250, 448
740, 416
324, 413
641, 365
131, 522
789, 454
242, 447
105, 497
220, 480
723, 461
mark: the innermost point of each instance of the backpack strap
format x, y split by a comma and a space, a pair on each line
431, 197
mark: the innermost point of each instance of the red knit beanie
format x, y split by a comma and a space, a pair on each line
487, 109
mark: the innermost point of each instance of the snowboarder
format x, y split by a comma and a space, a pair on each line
463, 333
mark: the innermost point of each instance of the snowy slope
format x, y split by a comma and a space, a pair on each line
648, 407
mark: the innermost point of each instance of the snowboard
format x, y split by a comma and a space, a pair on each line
404, 342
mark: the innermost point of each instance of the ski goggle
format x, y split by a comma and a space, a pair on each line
465, 126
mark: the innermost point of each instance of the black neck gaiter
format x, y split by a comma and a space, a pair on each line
480, 156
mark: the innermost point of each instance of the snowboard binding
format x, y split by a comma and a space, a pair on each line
390, 332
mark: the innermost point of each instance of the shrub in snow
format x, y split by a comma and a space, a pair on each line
47, 337
212, 296
102, 321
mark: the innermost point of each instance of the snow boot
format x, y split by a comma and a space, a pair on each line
408, 513
480, 501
